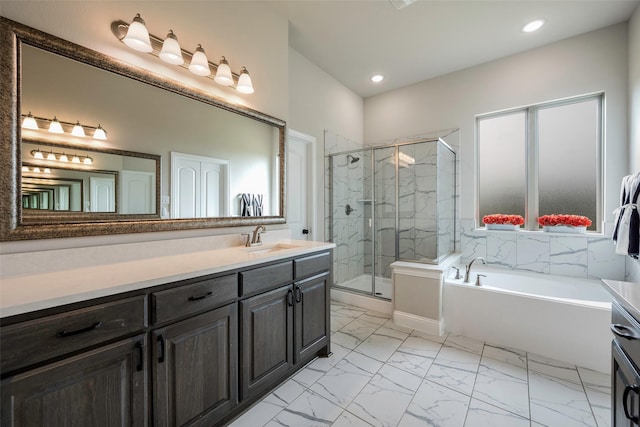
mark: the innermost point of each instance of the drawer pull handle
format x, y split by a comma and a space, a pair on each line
162, 349
140, 349
207, 295
623, 331
298, 294
628, 389
64, 334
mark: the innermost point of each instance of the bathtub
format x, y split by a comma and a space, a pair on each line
562, 318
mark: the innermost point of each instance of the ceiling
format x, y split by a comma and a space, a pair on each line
353, 40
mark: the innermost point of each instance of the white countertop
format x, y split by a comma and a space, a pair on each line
627, 293
23, 294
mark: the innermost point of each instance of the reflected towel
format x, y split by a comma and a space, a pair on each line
626, 233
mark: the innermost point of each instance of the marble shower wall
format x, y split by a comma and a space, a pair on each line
586, 256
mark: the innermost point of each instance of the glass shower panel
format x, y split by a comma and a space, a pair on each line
417, 185
446, 196
384, 221
348, 231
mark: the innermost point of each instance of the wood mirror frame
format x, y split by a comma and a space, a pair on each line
12, 226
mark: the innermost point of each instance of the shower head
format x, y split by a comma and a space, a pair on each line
354, 159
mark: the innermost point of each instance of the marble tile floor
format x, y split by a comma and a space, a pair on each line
381, 374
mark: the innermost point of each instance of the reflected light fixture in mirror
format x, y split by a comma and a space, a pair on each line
169, 51
137, 37
57, 126
62, 157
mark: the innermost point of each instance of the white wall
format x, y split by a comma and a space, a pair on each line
633, 266
317, 102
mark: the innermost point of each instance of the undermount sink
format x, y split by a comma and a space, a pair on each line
271, 248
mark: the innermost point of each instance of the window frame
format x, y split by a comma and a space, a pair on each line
531, 196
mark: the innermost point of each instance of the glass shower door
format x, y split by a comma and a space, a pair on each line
383, 223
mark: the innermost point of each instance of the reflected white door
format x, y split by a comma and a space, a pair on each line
199, 186
103, 194
137, 195
301, 193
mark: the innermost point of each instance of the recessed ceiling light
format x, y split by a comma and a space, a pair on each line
377, 78
533, 26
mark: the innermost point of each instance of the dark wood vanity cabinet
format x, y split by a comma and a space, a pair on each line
196, 352
625, 375
195, 369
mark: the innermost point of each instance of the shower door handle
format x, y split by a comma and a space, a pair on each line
348, 209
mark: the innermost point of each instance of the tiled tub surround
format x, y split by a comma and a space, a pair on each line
384, 375
587, 256
564, 318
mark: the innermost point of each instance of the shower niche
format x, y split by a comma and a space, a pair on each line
389, 203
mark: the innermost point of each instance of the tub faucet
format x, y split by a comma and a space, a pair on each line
468, 270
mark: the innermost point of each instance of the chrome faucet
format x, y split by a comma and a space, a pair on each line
256, 239
468, 270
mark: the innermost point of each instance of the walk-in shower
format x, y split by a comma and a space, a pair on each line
388, 203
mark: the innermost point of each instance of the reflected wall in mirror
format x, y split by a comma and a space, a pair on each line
145, 115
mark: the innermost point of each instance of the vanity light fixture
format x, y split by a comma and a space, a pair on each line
171, 52
25, 169
63, 158
37, 154
168, 50
51, 156
36, 169
47, 170
55, 126
29, 122
223, 75
58, 126
137, 37
244, 82
75, 159
199, 63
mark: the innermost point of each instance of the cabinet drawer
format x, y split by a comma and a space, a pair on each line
35, 341
626, 331
308, 266
265, 278
193, 298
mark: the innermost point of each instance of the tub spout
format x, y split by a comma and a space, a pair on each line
468, 270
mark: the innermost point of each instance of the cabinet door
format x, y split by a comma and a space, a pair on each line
312, 322
267, 339
195, 368
625, 406
103, 387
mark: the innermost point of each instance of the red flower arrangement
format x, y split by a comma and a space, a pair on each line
572, 220
503, 219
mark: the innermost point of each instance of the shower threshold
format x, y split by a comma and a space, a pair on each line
362, 284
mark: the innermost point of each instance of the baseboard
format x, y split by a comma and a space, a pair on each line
419, 323
363, 301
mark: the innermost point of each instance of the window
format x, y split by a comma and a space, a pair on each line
542, 159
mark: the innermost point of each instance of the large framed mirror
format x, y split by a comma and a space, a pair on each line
174, 157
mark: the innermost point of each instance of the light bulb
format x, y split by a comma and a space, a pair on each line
78, 130
75, 159
87, 161
29, 122
47, 170
25, 169
36, 169
63, 158
223, 75
100, 133
199, 63
55, 126
37, 154
51, 156
244, 82
171, 52
137, 37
